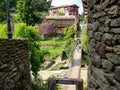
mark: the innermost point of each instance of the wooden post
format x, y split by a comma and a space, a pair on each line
79, 85
51, 83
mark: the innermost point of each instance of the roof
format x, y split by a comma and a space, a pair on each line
61, 17
85, 6
63, 6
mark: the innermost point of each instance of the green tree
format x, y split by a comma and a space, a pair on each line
40, 5
83, 18
84, 40
13, 3
61, 12
26, 12
69, 32
35, 53
2, 11
3, 31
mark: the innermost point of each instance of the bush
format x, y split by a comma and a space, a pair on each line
36, 55
54, 48
69, 47
61, 12
69, 32
38, 84
84, 39
47, 29
3, 31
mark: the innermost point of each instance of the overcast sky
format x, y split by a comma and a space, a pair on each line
69, 2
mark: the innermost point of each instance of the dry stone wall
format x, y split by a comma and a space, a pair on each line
14, 65
104, 44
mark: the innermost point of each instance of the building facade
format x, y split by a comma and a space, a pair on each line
64, 16
66, 9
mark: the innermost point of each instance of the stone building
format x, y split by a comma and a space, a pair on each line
68, 17
62, 21
103, 44
67, 9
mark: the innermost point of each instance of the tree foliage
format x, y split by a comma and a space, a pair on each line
40, 5
84, 40
46, 29
2, 11
13, 3
69, 32
36, 54
69, 47
61, 12
3, 31
26, 12
83, 19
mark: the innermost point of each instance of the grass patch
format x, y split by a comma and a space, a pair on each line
54, 48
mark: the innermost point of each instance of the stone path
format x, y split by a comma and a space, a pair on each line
75, 68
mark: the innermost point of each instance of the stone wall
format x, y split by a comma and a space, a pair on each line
104, 44
14, 65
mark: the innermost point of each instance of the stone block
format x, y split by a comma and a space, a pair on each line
117, 49
96, 25
117, 74
92, 85
90, 34
115, 22
107, 38
113, 11
114, 58
110, 79
107, 65
101, 81
107, 22
116, 39
98, 36
115, 30
109, 49
104, 29
99, 14
96, 60
105, 3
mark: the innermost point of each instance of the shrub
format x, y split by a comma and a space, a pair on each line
38, 84
47, 29
61, 12
84, 39
69, 32
69, 47
36, 55
3, 31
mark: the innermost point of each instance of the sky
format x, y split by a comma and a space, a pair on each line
69, 2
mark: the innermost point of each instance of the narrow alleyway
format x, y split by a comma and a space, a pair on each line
75, 68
